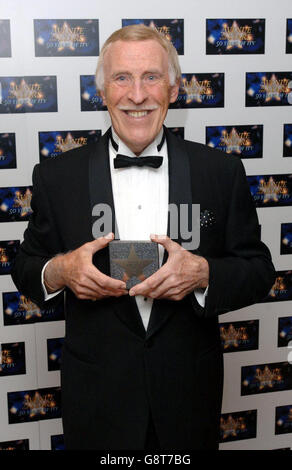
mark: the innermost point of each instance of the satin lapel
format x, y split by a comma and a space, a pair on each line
100, 189
179, 193
100, 186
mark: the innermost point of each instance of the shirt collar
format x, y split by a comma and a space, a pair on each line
150, 150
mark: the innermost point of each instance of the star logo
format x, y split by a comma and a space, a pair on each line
232, 336
231, 426
194, 89
38, 405
267, 377
234, 140
6, 357
274, 87
23, 201
69, 143
165, 30
3, 256
25, 93
133, 265
278, 287
68, 37
272, 190
31, 310
235, 35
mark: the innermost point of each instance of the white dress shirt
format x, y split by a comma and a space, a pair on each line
141, 206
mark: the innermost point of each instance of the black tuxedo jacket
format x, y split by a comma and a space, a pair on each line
113, 371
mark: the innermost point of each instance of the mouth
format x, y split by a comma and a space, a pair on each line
138, 114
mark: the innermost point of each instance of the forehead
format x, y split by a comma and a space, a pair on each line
135, 54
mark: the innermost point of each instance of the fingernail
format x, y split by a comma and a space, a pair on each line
109, 235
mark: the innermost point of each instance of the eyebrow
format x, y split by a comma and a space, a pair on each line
147, 72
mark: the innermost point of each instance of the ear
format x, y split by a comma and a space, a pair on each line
101, 92
174, 89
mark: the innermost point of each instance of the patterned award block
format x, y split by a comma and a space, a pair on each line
133, 261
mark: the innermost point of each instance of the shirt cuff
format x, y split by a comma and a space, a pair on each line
48, 296
201, 295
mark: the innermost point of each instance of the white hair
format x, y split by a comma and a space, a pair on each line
140, 32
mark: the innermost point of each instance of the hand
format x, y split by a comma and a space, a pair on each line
76, 271
180, 275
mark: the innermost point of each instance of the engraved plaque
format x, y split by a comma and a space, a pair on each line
133, 261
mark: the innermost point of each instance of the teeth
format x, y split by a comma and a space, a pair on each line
137, 114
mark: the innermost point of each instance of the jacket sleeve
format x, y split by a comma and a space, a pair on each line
40, 244
244, 274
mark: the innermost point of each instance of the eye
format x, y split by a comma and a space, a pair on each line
152, 78
121, 79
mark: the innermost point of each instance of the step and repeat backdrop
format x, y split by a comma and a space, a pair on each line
236, 96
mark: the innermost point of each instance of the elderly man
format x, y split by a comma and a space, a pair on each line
142, 369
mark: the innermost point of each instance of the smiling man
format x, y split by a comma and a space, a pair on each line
142, 369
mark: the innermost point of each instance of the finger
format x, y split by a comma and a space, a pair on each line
151, 283
100, 242
91, 278
160, 291
85, 297
176, 296
105, 282
84, 293
93, 298
166, 292
90, 287
172, 293
87, 293
166, 242
168, 285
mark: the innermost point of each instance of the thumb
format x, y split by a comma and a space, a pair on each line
165, 241
101, 242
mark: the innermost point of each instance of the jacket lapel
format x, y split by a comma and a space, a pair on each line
100, 190
179, 193
100, 186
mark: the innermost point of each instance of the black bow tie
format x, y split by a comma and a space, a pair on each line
122, 161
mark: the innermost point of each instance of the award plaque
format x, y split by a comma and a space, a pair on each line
133, 261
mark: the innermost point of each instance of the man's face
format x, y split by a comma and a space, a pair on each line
137, 91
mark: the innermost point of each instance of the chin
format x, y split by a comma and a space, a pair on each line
140, 142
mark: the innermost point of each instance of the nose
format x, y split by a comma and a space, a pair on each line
137, 92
